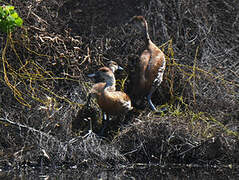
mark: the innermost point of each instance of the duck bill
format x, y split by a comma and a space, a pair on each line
92, 75
120, 68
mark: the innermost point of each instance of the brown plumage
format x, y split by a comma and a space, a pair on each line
111, 102
150, 67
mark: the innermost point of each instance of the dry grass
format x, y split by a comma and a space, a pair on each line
177, 137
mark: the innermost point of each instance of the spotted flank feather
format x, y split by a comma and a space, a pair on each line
158, 80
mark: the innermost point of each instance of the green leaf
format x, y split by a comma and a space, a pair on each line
18, 22
9, 8
14, 15
9, 19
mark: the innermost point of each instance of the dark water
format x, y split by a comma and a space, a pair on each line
165, 173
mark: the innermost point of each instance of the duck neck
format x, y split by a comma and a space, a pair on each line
146, 32
113, 68
110, 82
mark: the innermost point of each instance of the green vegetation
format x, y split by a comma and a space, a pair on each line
9, 19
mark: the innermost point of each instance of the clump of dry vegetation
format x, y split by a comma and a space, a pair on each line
43, 84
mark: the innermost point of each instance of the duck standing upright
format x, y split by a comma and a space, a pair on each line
150, 67
111, 102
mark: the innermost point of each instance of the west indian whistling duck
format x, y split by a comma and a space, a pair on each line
114, 66
150, 67
111, 102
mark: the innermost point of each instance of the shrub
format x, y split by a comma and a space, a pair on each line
9, 19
